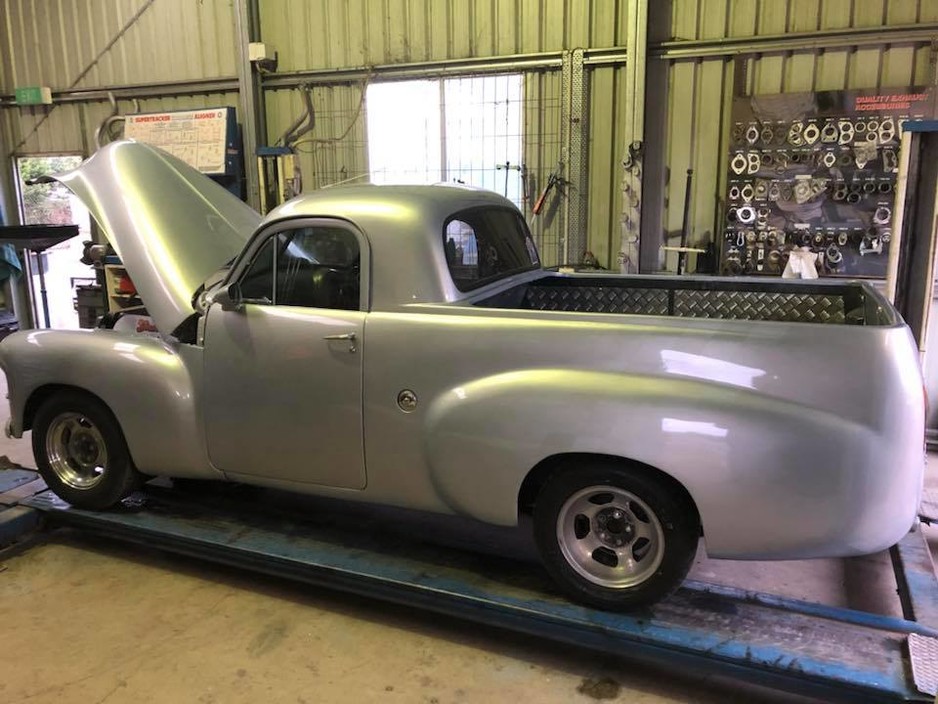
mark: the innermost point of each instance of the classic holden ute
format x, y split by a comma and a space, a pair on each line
404, 346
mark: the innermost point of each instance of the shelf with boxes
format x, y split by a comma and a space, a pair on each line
121, 292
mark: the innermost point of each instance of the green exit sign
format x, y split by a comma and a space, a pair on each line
34, 95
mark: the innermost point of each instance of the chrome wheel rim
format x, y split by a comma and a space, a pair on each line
76, 450
610, 537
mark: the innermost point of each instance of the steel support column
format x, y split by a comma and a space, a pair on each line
9, 213
575, 145
634, 136
653, 160
251, 95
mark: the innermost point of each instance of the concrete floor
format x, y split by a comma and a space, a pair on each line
90, 620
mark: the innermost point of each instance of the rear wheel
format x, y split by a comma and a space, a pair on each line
80, 451
614, 537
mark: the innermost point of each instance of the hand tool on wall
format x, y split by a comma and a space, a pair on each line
554, 180
685, 226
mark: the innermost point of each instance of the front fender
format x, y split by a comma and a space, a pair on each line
148, 384
770, 478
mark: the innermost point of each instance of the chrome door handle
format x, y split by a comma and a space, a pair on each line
350, 337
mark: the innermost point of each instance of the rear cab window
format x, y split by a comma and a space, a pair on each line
485, 244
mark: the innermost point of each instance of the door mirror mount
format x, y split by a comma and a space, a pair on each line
228, 297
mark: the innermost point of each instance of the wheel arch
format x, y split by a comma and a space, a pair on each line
43, 393
152, 386
538, 476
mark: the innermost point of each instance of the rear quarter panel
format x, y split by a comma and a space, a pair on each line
794, 440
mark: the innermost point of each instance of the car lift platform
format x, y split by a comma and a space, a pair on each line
395, 555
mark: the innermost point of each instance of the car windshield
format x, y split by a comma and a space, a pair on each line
486, 244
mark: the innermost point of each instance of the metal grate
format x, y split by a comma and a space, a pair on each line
484, 112
923, 652
542, 155
498, 132
759, 305
335, 152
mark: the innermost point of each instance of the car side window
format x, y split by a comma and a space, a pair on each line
318, 267
312, 267
485, 243
257, 284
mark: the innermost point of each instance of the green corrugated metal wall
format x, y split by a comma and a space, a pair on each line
50, 41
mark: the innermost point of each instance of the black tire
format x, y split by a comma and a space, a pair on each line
75, 418
587, 487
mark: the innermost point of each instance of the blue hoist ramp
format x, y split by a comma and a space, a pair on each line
833, 653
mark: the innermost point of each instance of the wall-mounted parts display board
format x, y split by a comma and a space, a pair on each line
815, 170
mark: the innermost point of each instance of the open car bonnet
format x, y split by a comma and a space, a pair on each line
171, 226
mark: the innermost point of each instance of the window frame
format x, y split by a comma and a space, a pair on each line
247, 268
268, 232
479, 283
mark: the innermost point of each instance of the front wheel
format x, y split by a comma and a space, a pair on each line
80, 451
615, 537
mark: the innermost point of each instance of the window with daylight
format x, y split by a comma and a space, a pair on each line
463, 130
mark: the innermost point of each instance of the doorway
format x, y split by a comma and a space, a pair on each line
54, 204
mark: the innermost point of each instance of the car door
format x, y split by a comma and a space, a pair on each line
283, 371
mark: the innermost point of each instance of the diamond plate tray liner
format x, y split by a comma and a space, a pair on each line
598, 299
750, 305
690, 303
923, 652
